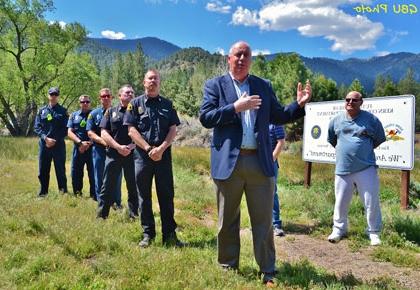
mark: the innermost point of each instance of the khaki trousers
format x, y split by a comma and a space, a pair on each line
247, 177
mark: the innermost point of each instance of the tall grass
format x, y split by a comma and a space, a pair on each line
57, 243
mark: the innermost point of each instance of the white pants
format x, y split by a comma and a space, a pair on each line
367, 184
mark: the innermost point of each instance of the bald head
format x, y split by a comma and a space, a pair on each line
354, 94
238, 44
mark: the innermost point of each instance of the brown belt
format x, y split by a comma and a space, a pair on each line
247, 151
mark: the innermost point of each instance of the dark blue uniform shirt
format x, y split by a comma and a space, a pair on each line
51, 122
113, 122
94, 120
78, 122
276, 133
152, 117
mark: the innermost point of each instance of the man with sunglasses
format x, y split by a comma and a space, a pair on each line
50, 126
355, 134
82, 151
99, 144
119, 156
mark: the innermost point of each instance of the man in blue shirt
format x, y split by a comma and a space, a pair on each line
99, 144
277, 142
119, 155
355, 134
50, 126
239, 108
82, 151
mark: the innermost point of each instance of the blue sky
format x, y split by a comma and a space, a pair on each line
338, 28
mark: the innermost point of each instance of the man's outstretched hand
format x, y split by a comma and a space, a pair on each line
303, 96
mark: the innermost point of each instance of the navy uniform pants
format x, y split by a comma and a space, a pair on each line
46, 155
99, 156
146, 168
114, 163
78, 162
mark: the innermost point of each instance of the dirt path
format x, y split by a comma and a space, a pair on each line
295, 247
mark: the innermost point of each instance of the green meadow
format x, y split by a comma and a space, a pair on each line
57, 242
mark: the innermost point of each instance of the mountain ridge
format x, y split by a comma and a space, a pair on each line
341, 71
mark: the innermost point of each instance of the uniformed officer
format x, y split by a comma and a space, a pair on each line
50, 126
152, 122
119, 156
82, 151
99, 144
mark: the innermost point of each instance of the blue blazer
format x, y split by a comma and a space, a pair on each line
217, 112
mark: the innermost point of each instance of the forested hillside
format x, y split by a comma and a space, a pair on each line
103, 50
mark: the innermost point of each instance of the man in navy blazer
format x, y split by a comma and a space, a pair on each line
239, 107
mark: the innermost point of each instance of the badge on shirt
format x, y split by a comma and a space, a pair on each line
129, 107
140, 110
49, 117
114, 115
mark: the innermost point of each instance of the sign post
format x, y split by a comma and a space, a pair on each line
307, 179
397, 115
405, 186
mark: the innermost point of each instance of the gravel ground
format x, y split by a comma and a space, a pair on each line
340, 260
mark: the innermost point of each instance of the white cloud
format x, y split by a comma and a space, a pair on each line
61, 23
396, 36
112, 34
382, 53
221, 51
256, 52
218, 6
315, 18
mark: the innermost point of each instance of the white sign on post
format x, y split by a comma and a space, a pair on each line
397, 115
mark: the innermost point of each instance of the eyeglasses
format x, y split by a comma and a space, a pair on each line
105, 96
54, 95
348, 100
85, 102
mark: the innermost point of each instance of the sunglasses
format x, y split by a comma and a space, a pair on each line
105, 96
85, 102
54, 95
348, 100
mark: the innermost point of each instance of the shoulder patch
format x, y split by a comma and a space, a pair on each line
90, 117
106, 113
129, 107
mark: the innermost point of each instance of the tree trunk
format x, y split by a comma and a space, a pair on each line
18, 124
